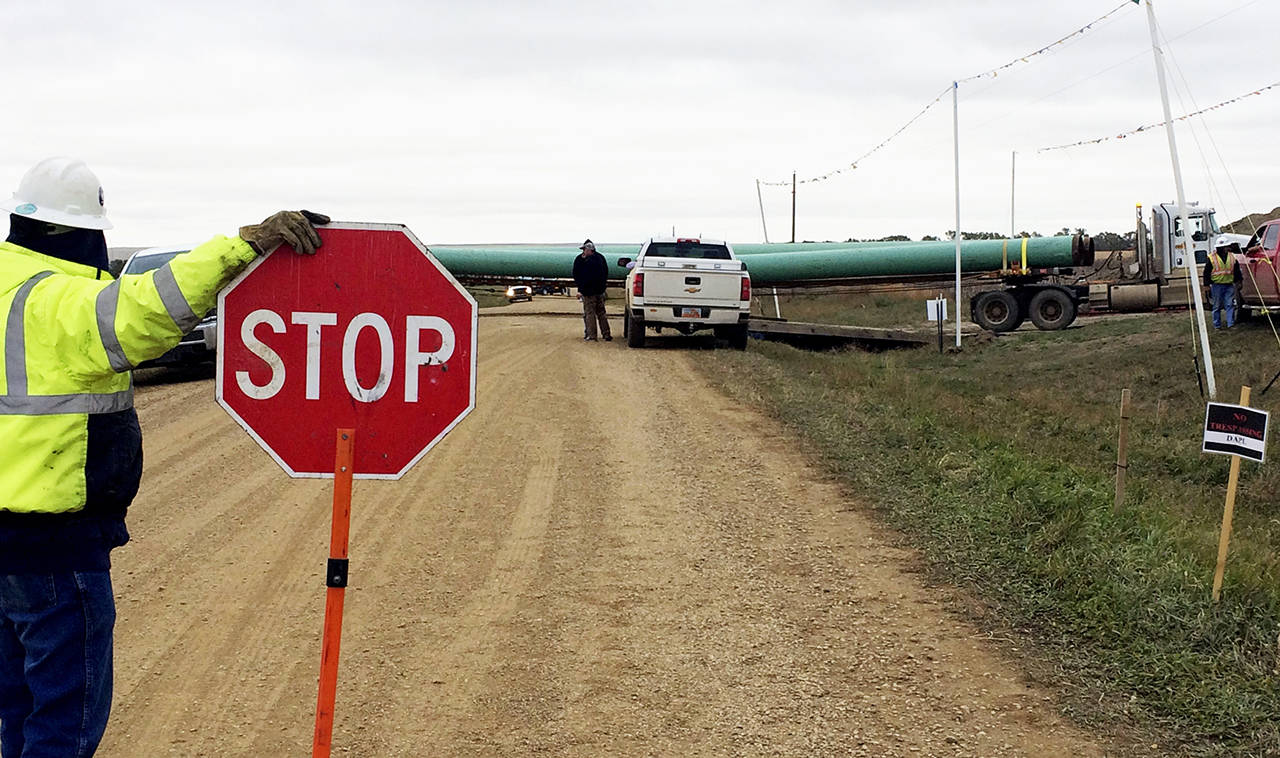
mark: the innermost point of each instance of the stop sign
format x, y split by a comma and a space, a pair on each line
371, 334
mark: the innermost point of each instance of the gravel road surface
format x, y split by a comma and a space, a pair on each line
607, 558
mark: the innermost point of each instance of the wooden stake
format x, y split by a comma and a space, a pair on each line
336, 581
1227, 512
1122, 449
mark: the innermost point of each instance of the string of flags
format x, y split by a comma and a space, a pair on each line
1141, 129
867, 154
992, 73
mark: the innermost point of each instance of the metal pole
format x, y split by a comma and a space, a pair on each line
762, 223
793, 207
1188, 247
955, 127
777, 309
1013, 175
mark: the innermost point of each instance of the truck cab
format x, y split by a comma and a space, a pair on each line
1169, 240
1158, 278
687, 284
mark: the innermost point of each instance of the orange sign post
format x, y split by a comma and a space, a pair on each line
336, 582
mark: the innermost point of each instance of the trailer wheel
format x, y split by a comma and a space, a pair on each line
635, 330
1052, 309
997, 311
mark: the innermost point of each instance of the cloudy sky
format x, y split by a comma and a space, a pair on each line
503, 121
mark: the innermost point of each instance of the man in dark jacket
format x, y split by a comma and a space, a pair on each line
591, 274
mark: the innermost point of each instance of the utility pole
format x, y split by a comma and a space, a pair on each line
955, 127
763, 225
1013, 176
1188, 244
793, 207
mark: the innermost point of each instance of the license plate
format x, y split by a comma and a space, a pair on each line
690, 313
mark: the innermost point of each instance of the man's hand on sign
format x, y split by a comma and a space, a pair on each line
297, 228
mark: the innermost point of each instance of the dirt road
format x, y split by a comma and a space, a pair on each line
606, 559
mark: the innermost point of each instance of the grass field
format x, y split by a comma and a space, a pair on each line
999, 462
887, 306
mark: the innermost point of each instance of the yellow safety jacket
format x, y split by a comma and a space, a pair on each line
1221, 273
71, 335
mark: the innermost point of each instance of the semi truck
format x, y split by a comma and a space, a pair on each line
1157, 276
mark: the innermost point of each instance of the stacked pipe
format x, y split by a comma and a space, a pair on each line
775, 264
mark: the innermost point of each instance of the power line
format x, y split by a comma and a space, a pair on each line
873, 150
1141, 129
990, 73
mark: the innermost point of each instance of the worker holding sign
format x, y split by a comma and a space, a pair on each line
70, 440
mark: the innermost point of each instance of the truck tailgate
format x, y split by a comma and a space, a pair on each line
676, 280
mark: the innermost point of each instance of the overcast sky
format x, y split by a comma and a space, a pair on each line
491, 121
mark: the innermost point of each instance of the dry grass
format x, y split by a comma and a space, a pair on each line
999, 461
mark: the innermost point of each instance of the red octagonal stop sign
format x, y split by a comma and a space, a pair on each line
371, 333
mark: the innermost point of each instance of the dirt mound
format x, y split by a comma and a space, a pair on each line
1247, 224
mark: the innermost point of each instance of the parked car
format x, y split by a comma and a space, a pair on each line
519, 292
198, 346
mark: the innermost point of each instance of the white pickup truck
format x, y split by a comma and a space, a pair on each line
687, 284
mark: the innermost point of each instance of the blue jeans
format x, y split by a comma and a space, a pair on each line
1223, 296
55, 663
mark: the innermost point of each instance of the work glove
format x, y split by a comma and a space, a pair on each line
296, 228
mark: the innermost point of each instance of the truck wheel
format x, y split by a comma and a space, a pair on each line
635, 330
1052, 309
738, 337
997, 311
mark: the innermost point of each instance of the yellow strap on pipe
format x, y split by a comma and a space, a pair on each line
1024, 253
1004, 256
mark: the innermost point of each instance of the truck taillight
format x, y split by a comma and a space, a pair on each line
637, 287
746, 288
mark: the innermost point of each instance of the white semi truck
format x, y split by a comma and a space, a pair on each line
1158, 276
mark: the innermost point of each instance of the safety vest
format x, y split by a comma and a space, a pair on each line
70, 341
1221, 273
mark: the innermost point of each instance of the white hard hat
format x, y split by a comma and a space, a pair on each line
61, 191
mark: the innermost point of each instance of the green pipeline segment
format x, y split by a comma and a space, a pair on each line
785, 263
531, 261
913, 259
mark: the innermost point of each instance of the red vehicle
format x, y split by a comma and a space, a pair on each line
1260, 288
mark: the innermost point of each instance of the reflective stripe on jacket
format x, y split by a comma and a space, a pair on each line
1221, 273
70, 340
